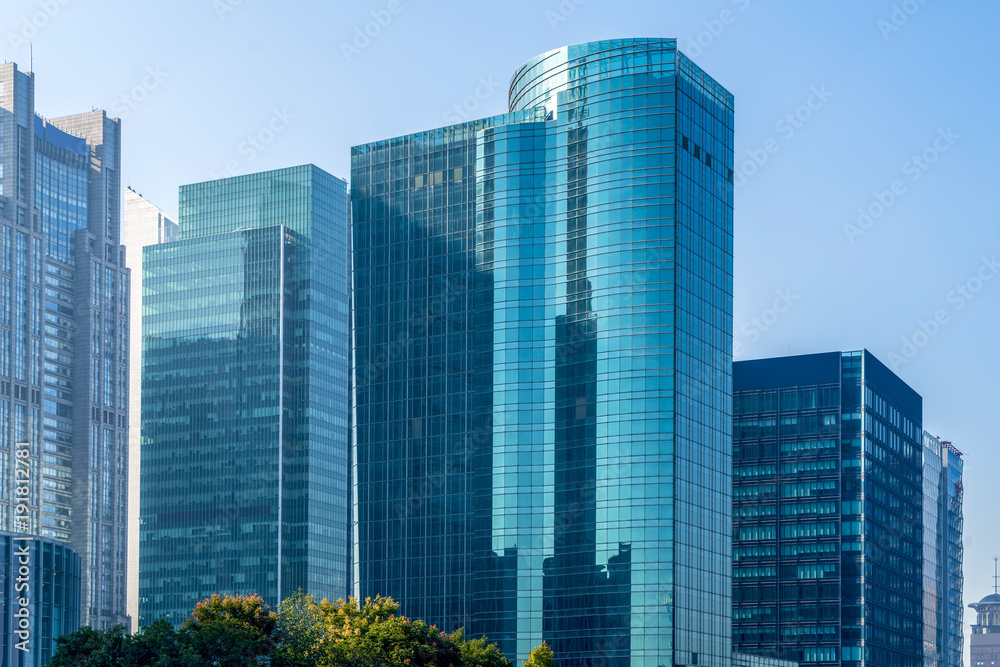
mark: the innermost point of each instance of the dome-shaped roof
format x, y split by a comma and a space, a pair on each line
993, 598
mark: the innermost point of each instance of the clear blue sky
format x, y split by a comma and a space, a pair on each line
923, 81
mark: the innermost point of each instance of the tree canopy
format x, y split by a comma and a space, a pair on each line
541, 656
238, 631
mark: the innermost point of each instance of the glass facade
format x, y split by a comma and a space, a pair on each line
543, 326
245, 404
64, 312
942, 480
827, 523
413, 202
53, 594
751, 660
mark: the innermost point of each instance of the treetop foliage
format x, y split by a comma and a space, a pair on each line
240, 631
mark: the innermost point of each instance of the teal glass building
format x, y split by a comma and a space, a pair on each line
52, 573
245, 395
827, 512
944, 640
543, 335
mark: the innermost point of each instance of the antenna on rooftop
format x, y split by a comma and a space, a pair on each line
995, 575
31, 57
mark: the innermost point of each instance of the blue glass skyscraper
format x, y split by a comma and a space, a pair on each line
245, 405
543, 313
827, 523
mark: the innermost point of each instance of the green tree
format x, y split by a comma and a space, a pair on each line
351, 615
541, 656
301, 633
239, 631
359, 635
477, 652
160, 645
88, 647
397, 641
232, 630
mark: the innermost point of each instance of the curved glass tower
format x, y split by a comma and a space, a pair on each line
598, 228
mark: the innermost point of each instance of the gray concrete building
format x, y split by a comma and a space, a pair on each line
144, 224
984, 650
64, 313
